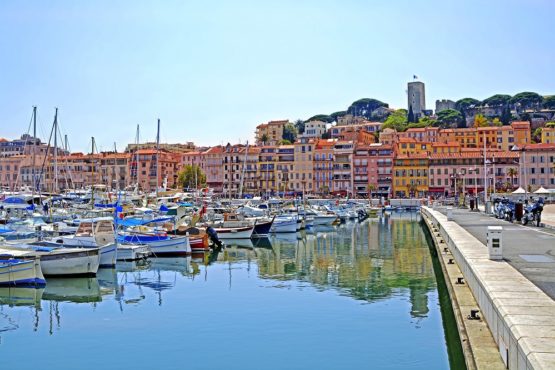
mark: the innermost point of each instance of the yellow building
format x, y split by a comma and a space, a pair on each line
303, 171
548, 135
410, 175
270, 133
275, 168
410, 146
449, 147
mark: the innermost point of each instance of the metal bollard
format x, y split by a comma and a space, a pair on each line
450, 214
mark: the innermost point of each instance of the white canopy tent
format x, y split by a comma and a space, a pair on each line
542, 190
520, 190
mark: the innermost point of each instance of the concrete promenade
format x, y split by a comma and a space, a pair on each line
529, 249
519, 313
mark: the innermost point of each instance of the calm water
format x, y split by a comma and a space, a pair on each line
357, 296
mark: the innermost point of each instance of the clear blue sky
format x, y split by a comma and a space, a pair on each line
213, 70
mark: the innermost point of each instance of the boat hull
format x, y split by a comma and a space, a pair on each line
262, 229
21, 272
132, 252
163, 246
324, 220
234, 232
288, 226
83, 261
108, 255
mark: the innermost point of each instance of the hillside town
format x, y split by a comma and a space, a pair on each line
353, 156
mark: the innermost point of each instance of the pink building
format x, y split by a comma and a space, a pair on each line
538, 166
380, 169
463, 172
213, 168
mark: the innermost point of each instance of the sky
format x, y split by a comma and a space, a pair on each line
211, 71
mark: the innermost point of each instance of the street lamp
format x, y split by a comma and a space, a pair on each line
492, 162
522, 168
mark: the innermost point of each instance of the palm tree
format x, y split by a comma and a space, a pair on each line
512, 173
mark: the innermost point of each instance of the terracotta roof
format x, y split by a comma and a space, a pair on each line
541, 146
473, 154
2, 140
215, 150
413, 156
446, 143
521, 124
279, 122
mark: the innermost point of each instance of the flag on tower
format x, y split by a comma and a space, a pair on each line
414, 77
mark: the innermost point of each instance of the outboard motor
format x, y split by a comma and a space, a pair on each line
213, 235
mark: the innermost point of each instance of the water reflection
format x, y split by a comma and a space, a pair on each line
368, 261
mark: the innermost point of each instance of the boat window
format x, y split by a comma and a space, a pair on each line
85, 229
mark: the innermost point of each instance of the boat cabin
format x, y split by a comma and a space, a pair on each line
92, 233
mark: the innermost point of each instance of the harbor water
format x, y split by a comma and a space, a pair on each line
358, 296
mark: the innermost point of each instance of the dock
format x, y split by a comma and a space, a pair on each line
514, 296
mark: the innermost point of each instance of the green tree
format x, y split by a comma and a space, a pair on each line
527, 100
299, 125
410, 116
364, 107
480, 120
537, 135
264, 138
549, 102
326, 135
506, 116
321, 117
449, 117
289, 133
396, 120
426, 121
191, 176
511, 172
497, 100
284, 142
465, 103
336, 115
550, 124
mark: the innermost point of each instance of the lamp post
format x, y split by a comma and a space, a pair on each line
522, 168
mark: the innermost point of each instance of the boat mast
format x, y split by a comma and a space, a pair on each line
34, 149
157, 155
92, 176
56, 151
136, 155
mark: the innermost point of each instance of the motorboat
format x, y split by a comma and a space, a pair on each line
284, 224
91, 233
157, 238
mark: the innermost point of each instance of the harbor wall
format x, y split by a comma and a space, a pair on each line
519, 315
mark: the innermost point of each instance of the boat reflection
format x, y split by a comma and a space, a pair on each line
20, 296
76, 290
131, 266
